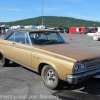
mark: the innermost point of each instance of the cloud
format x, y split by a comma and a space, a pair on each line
9, 19
80, 16
12, 9
48, 9
77, 1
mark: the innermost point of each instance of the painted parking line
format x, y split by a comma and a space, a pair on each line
71, 95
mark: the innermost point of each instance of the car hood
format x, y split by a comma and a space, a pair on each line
78, 53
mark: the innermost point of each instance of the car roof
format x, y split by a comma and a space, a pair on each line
36, 30
27, 30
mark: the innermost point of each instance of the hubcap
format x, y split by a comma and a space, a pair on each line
50, 76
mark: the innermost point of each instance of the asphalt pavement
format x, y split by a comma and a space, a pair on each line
19, 83
82, 40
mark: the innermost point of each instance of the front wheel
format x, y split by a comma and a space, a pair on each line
95, 38
50, 77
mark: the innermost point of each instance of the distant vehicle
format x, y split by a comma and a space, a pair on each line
73, 30
95, 36
40, 27
93, 30
30, 27
79, 30
4, 29
90, 34
83, 30
62, 29
17, 27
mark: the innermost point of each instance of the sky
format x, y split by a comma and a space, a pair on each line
13, 10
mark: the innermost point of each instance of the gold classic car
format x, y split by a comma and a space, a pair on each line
46, 52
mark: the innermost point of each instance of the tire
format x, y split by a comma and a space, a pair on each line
3, 61
50, 77
95, 38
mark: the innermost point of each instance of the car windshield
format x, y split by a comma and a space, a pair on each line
44, 38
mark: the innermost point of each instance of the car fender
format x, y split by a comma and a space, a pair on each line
49, 63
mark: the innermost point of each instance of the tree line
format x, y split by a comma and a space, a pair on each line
54, 21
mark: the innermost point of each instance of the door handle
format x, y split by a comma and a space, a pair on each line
14, 43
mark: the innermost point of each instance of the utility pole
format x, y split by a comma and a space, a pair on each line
68, 23
42, 13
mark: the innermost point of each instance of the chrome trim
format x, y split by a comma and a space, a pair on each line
92, 63
29, 38
73, 79
14, 36
25, 37
84, 70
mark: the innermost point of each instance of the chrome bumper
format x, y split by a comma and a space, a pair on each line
74, 79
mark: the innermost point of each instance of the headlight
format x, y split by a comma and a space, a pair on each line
78, 67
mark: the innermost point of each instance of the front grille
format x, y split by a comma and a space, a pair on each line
93, 63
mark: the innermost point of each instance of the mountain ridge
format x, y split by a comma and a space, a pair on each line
54, 21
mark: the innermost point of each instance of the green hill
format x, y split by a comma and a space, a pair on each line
54, 21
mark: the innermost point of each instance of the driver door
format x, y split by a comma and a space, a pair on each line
21, 51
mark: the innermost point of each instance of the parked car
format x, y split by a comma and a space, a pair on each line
62, 30
46, 52
93, 29
90, 34
95, 36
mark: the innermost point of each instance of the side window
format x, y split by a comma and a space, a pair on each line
20, 37
11, 37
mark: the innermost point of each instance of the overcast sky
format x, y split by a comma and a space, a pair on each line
12, 10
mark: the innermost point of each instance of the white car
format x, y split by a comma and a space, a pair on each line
90, 34
95, 36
